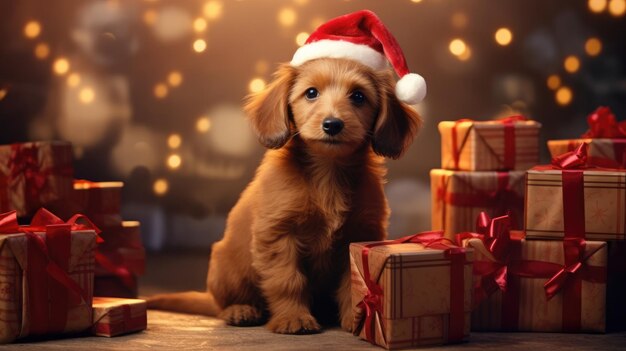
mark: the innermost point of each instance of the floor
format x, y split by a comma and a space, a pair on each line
171, 331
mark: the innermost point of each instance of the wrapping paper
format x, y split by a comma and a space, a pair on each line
602, 152
523, 304
600, 208
115, 316
33, 175
458, 197
509, 144
46, 281
417, 294
101, 201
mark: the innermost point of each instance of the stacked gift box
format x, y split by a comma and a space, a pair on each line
483, 168
47, 273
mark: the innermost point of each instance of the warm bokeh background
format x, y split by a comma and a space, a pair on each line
150, 92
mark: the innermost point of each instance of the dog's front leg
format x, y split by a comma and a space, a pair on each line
284, 286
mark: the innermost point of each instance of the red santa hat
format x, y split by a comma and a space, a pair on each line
363, 37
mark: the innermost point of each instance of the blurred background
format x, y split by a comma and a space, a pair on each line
150, 92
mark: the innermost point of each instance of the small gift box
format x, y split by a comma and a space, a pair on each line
411, 291
101, 201
33, 175
458, 197
114, 316
571, 197
506, 144
46, 276
606, 139
538, 285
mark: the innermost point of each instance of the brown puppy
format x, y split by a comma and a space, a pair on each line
284, 254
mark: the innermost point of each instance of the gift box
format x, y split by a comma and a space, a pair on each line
101, 201
46, 276
506, 144
458, 197
412, 291
569, 196
115, 316
33, 175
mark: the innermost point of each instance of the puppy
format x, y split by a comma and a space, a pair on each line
284, 256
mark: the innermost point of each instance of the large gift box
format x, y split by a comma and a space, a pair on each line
115, 316
506, 144
458, 197
606, 139
34, 174
569, 196
411, 291
46, 276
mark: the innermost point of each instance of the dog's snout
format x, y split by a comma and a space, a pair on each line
332, 125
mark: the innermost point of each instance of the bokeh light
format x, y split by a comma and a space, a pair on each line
212, 9
73, 80
42, 51
174, 141
150, 17
466, 55
457, 47
459, 20
3, 93
32, 29
199, 25
86, 95
256, 85
61, 66
174, 78
160, 187
199, 45
172, 23
553, 82
503, 36
203, 124
287, 17
301, 38
416, 1
593, 46
160, 90
596, 6
571, 64
617, 8
564, 96
174, 161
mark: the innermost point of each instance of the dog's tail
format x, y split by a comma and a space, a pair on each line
193, 302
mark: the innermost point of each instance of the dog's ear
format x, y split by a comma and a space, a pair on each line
396, 124
268, 110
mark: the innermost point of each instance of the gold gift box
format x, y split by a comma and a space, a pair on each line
601, 152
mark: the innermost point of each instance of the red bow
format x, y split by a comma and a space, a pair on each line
576, 159
602, 124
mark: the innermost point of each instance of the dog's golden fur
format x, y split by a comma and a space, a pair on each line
284, 255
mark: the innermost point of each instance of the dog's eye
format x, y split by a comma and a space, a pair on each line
311, 94
357, 97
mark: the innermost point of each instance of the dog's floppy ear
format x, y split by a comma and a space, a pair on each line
268, 110
396, 125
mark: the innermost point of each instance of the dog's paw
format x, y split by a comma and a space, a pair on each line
294, 324
242, 315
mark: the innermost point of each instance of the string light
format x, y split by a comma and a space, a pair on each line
61, 66
32, 29
86, 95
42, 50
596, 6
256, 85
160, 91
593, 46
203, 124
457, 47
564, 96
617, 7
199, 45
503, 36
301, 38
466, 55
174, 141
160, 186
175, 78
212, 9
553, 82
287, 17
73, 80
174, 161
571, 64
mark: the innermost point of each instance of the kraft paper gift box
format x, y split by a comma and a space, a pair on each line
101, 201
415, 290
458, 197
569, 197
506, 144
115, 316
34, 174
46, 277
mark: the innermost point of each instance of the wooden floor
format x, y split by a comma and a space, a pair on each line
178, 332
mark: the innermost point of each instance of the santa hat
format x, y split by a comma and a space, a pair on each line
363, 37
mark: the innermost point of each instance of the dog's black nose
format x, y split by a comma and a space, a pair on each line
332, 125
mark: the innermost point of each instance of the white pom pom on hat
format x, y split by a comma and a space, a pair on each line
362, 36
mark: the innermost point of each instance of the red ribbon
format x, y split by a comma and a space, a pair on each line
508, 161
372, 303
51, 290
603, 124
